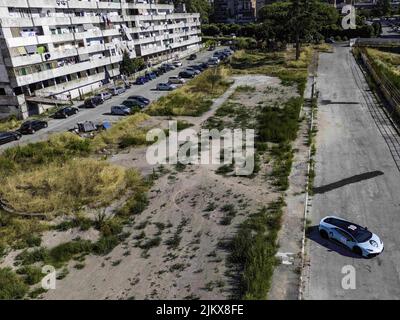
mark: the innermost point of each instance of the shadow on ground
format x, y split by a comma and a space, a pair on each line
344, 182
312, 233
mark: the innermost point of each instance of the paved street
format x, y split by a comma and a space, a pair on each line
102, 112
357, 179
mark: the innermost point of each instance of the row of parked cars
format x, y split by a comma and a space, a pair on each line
28, 127
193, 70
131, 105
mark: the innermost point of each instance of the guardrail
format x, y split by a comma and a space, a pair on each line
387, 88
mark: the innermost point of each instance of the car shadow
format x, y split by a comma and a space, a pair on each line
312, 233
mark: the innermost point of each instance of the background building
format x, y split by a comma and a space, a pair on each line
235, 11
57, 50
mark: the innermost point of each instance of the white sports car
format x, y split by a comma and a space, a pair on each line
358, 239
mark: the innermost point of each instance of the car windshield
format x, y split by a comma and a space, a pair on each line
362, 235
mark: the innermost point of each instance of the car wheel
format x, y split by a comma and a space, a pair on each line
323, 234
357, 251
45, 125
32, 131
17, 137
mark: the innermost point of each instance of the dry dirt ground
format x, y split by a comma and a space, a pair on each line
184, 218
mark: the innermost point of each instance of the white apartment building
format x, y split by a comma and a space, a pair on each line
58, 50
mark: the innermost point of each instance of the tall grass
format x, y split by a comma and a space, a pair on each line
59, 148
195, 97
127, 132
61, 188
386, 63
11, 286
254, 248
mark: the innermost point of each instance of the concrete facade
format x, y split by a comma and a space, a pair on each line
63, 49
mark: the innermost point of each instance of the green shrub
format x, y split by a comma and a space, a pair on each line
11, 286
254, 248
31, 274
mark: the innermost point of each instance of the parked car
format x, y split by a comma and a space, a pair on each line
204, 65
6, 137
141, 80
104, 95
133, 104
151, 75
141, 99
159, 71
31, 126
176, 80
117, 91
65, 112
165, 87
120, 110
196, 67
186, 74
193, 56
168, 66
93, 102
195, 71
213, 61
177, 63
357, 238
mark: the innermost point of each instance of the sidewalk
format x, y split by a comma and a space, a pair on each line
285, 281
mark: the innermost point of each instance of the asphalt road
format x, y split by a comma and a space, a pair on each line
102, 112
357, 179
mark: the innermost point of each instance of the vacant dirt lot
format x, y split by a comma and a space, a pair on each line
173, 250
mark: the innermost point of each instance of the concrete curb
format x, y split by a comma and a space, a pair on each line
303, 240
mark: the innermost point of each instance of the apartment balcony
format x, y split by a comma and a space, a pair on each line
23, 60
148, 51
61, 71
108, 5
74, 84
146, 6
85, 19
82, 4
91, 49
15, 3
52, 38
116, 19
47, 4
16, 22
111, 32
21, 41
51, 21
94, 33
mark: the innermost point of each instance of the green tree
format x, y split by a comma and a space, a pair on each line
126, 67
297, 20
384, 7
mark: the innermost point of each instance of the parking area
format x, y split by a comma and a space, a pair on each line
102, 112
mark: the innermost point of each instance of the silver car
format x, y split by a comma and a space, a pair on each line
165, 87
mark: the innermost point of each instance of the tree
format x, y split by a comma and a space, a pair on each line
297, 20
126, 67
384, 7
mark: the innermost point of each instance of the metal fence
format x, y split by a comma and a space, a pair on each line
388, 89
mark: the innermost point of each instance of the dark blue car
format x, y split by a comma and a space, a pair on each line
151, 75
141, 80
